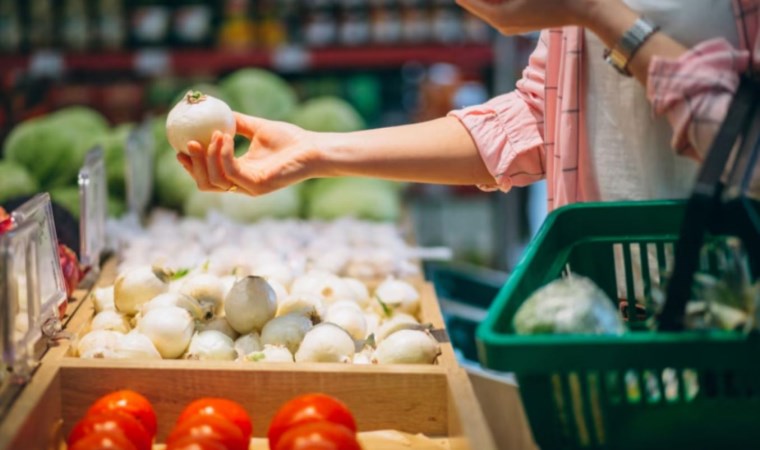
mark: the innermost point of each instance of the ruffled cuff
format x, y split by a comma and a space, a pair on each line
695, 89
508, 136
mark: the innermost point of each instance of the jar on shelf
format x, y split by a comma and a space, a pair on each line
110, 26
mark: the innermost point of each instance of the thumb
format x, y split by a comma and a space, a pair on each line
247, 126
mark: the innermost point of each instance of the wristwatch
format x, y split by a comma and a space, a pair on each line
620, 55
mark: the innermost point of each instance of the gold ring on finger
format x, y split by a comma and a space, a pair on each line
232, 188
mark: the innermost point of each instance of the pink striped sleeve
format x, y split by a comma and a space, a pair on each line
694, 92
508, 130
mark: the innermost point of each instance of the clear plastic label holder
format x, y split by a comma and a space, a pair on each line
93, 201
139, 169
32, 289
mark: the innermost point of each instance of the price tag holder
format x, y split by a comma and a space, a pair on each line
139, 170
93, 202
33, 288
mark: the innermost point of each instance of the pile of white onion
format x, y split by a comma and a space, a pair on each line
280, 250
318, 316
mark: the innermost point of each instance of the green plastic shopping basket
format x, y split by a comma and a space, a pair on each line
632, 391
643, 389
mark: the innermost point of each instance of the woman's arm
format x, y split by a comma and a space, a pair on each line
691, 87
494, 145
437, 151
610, 19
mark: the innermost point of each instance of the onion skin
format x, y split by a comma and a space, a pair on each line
250, 304
407, 347
170, 328
195, 118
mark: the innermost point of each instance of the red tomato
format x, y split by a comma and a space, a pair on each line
213, 426
309, 408
228, 409
104, 440
129, 402
112, 421
196, 443
318, 436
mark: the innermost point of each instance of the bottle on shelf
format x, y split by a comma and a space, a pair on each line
10, 27
354, 29
272, 27
237, 31
110, 25
40, 26
415, 25
75, 26
446, 26
320, 30
192, 24
150, 23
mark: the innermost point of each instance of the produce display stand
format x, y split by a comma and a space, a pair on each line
430, 313
396, 406
438, 403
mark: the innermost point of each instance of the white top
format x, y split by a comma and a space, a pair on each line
627, 143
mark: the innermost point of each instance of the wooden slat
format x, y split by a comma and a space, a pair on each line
34, 420
439, 405
467, 424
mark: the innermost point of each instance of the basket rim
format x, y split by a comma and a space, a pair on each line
487, 330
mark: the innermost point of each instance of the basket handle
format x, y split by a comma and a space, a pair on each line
702, 206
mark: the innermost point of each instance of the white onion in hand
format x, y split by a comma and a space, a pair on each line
195, 118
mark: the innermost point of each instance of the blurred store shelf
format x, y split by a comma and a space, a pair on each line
288, 59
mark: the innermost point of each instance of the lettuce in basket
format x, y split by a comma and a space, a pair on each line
571, 305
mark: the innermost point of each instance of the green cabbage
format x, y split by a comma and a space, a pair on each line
259, 93
363, 198
15, 181
52, 148
68, 197
329, 114
116, 206
573, 305
173, 183
282, 203
81, 118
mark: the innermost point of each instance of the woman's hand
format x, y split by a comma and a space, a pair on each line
280, 154
521, 16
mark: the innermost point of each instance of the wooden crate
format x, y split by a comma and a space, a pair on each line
84, 311
437, 403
